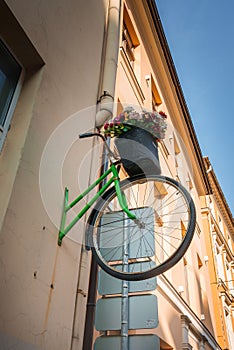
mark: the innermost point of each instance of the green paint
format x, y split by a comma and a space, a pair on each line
66, 207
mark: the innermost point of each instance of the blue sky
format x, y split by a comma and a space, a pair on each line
200, 34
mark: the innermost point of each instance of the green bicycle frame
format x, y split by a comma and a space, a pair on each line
66, 206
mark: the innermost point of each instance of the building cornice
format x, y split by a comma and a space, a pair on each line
219, 196
225, 293
221, 237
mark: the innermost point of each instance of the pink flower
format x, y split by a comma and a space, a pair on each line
116, 119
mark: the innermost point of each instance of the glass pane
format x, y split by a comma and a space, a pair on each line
9, 75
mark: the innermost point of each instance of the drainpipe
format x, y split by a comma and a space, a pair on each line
105, 103
105, 111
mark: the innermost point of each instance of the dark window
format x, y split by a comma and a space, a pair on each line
10, 72
129, 37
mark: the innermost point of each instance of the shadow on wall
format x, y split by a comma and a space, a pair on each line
204, 306
169, 331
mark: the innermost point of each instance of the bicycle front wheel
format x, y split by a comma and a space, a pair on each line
139, 249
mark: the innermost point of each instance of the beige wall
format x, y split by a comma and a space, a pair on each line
39, 280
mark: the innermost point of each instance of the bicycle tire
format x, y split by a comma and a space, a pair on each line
101, 224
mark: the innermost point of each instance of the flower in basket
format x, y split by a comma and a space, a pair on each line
114, 129
153, 122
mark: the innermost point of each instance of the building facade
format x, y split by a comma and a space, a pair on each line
218, 226
67, 66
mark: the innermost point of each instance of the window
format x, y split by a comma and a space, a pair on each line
156, 99
183, 229
198, 230
128, 44
164, 345
189, 182
10, 83
176, 151
176, 146
129, 39
199, 262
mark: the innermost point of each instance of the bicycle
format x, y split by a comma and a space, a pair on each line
139, 227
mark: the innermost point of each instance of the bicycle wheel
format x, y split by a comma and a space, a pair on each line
139, 249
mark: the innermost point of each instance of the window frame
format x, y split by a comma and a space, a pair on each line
155, 96
6, 127
130, 39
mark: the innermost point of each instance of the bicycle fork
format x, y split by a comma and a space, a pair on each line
124, 206
121, 196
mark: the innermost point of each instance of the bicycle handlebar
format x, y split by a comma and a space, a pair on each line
91, 134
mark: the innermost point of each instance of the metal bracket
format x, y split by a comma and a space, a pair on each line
105, 94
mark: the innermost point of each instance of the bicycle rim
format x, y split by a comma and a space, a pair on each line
137, 250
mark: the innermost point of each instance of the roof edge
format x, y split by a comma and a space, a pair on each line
224, 207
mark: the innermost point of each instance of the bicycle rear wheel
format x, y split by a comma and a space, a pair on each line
152, 244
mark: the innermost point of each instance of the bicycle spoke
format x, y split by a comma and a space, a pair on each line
176, 213
114, 228
165, 203
166, 241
